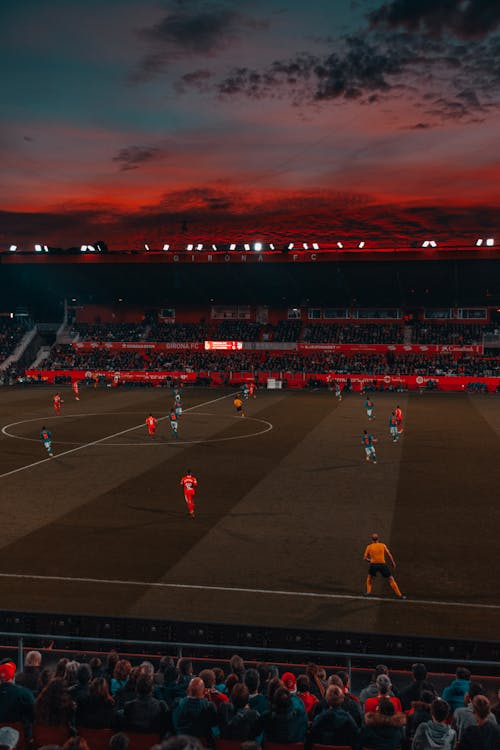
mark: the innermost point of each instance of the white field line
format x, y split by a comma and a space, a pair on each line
235, 589
94, 442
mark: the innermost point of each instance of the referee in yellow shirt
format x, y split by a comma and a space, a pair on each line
376, 554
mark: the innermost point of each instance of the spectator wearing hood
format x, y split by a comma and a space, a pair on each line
334, 726
16, 702
384, 728
435, 734
413, 691
454, 693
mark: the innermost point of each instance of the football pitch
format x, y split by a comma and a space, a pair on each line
285, 506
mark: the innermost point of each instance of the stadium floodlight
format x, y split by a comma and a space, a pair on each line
199, 246
38, 248
361, 244
290, 246
257, 246
305, 246
166, 247
146, 247
315, 246
479, 243
429, 243
214, 247
232, 246
91, 248
271, 246
189, 248
490, 242
12, 248
340, 245
246, 246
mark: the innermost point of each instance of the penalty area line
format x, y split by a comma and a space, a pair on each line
240, 590
93, 442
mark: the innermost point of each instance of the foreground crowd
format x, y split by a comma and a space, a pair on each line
248, 705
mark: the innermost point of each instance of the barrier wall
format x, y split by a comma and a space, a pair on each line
291, 379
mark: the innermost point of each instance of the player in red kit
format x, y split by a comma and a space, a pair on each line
57, 403
151, 423
189, 484
399, 417
251, 390
74, 386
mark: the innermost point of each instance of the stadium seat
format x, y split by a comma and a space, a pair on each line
21, 745
97, 739
43, 734
140, 741
226, 744
283, 745
326, 747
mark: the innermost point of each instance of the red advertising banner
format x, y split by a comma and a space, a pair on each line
290, 380
151, 346
396, 348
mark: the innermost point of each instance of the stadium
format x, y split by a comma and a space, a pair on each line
223, 420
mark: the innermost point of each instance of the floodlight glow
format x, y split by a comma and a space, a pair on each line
199, 246
91, 248
146, 247
38, 248
232, 246
433, 243
189, 248
361, 245
315, 246
214, 247
290, 246
305, 246
166, 247
271, 246
257, 246
339, 244
12, 248
425, 243
490, 241
479, 243
247, 247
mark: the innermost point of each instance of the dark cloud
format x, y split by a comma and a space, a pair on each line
198, 79
200, 28
132, 157
466, 19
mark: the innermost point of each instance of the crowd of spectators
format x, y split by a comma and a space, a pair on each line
449, 333
11, 334
110, 331
354, 333
237, 330
287, 330
255, 704
178, 332
65, 356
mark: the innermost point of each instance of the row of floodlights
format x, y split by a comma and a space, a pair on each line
488, 242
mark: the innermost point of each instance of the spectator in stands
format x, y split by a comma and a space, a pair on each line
231, 680
9, 738
485, 735
495, 710
16, 701
181, 742
71, 672
30, 678
95, 665
121, 674
185, 669
194, 715
97, 709
334, 726
60, 671
371, 689
350, 705
455, 693
256, 700
384, 686
237, 666
316, 684
119, 741
170, 691
289, 681
237, 721
464, 717
211, 692
145, 713
419, 712
127, 692
165, 663
346, 684
220, 679
413, 691
384, 728
81, 689
54, 705
111, 661
264, 671
435, 734
283, 722
308, 699
75, 743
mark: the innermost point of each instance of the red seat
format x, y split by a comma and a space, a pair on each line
43, 734
283, 745
139, 741
21, 745
326, 747
97, 739
226, 744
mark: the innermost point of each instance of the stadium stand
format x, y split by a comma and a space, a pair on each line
109, 331
367, 333
11, 334
178, 332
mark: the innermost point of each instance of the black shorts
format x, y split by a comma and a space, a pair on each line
381, 568
238, 408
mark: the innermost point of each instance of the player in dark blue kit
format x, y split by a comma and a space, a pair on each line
368, 441
46, 438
